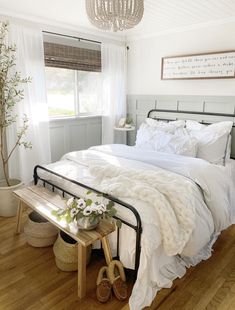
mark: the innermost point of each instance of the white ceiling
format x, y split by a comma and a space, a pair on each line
160, 16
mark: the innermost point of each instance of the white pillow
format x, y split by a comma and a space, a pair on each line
229, 148
145, 136
167, 126
147, 130
213, 140
155, 139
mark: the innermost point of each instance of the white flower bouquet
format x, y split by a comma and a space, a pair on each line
86, 210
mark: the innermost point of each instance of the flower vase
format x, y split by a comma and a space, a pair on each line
84, 223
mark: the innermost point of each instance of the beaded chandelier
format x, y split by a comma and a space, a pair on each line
115, 15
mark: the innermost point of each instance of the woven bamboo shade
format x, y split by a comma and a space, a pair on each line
70, 57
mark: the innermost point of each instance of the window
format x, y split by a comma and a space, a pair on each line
73, 78
60, 91
72, 92
89, 87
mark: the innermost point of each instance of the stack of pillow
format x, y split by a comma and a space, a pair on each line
188, 138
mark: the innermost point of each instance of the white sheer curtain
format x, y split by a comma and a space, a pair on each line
114, 90
30, 62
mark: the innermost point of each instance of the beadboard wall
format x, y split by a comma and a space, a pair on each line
69, 135
72, 134
139, 105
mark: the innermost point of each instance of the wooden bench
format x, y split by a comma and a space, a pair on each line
44, 201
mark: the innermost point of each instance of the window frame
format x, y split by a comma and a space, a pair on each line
77, 113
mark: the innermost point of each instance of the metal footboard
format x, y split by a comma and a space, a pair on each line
137, 227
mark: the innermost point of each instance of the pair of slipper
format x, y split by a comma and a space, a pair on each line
111, 277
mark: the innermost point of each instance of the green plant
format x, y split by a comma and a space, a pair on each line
86, 208
129, 121
10, 95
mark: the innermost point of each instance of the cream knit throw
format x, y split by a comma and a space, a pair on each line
167, 192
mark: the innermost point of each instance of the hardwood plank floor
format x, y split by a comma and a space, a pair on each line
29, 279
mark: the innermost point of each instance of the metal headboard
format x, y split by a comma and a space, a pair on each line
202, 116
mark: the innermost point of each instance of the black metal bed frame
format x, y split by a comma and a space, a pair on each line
187, 112
138, 226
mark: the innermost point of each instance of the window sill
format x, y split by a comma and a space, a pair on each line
73, 118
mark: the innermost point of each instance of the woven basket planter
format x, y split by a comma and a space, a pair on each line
39, 232
66, 253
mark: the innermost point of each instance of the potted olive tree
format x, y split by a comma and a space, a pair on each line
10, 94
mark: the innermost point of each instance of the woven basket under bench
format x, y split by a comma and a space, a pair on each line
39, 231
66, 253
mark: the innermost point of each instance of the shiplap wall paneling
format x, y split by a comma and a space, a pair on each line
69, 135
131, 113
219, 106
58, 142
131, 104
94, 132
166, 103
191, 105
77, 137
139, 105
145, 105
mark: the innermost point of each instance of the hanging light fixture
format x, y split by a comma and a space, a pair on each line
115, 15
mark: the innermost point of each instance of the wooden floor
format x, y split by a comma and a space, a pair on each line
29, 279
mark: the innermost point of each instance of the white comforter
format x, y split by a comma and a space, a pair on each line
157, 267
218, 188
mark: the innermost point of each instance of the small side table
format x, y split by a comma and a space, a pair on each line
124, 129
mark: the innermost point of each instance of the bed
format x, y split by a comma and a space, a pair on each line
173, 206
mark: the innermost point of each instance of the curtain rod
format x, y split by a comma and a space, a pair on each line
67, 36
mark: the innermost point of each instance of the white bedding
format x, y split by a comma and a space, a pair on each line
213, 201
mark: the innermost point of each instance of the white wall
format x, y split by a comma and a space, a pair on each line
144, 61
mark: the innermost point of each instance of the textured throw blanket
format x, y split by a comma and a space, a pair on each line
167, 192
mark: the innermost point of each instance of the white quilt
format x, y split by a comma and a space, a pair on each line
191, 230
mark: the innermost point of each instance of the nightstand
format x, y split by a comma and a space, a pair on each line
125, 129
122, 133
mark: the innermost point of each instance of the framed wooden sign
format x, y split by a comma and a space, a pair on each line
218, 65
